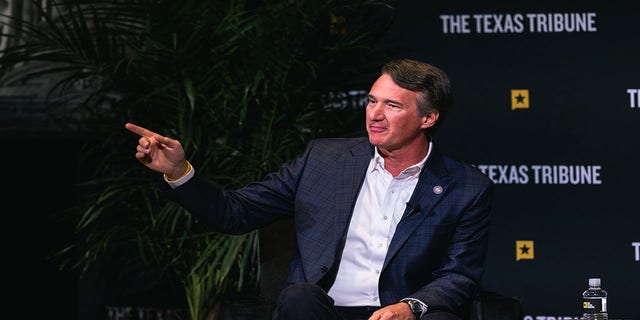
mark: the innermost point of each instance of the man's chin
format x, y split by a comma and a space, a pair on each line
375, 139
377, 143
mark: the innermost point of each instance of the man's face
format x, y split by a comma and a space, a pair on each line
392, 116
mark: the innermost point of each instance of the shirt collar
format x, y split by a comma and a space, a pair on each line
411, 170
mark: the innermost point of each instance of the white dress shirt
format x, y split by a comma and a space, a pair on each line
379, 207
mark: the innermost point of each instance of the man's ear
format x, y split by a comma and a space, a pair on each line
430, 119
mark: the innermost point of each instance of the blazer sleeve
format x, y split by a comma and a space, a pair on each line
440, 256
244, 209
458, 278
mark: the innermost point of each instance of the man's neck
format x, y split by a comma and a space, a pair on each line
395, 161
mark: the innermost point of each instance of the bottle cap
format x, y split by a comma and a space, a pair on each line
594, 282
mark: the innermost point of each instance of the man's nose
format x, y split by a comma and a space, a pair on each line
376, 111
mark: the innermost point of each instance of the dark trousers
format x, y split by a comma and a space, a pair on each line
304, 301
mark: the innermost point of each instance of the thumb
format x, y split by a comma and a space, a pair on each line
167, 142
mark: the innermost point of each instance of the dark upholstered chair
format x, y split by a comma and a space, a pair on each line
495, 306
275, 252
276, 243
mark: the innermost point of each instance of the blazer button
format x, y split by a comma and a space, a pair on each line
324, 269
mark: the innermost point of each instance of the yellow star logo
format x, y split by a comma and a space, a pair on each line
524, 249
519, 99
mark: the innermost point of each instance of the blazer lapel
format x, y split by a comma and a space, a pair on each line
349, 178
318, 250
431, 188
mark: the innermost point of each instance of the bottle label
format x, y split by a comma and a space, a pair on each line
594, 305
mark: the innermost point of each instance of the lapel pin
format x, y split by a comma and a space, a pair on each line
437, 189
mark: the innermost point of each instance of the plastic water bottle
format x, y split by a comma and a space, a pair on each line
594, 301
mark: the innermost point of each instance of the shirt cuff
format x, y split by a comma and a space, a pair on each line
178, 182
423, 306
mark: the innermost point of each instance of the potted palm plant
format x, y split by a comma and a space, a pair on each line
243, 84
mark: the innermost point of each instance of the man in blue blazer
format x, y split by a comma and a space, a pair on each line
386, 226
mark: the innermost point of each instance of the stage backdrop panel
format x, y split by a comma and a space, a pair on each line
547, 104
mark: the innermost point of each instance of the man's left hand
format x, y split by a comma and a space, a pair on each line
397, 311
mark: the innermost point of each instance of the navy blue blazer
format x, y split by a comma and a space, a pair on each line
437, 253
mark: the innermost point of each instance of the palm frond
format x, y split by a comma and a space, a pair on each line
242, 84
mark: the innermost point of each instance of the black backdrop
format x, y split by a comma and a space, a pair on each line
581, 82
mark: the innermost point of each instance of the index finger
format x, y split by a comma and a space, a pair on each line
139, 130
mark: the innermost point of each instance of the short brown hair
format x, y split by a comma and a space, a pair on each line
431, 84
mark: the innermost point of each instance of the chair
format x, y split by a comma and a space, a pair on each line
276, 243
275, 254
490, 305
